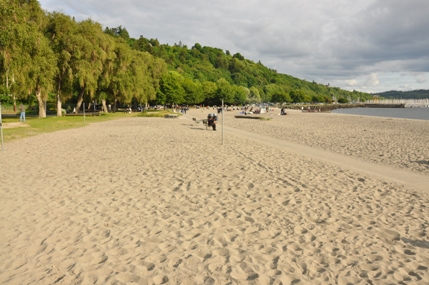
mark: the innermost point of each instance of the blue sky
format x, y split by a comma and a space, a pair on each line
365, 45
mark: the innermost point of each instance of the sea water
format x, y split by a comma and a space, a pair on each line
402, 113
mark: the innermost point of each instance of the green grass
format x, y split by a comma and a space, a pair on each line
35, 126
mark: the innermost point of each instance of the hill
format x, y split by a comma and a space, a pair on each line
413, 94
199, 64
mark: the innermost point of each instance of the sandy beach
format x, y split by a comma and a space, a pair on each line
307, 198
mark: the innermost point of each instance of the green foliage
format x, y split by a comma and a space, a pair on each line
171, 85
224, 92
343, 100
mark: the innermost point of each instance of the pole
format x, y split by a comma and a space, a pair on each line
84, 112
1, 129
222, 121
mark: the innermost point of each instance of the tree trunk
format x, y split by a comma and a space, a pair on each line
79, 100
42, 109
114, 106
59, 106
103, 102
7, 87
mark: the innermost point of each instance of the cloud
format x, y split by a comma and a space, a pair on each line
372, 80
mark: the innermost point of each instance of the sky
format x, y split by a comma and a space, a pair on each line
366, 45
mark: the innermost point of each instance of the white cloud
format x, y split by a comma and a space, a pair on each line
372, 80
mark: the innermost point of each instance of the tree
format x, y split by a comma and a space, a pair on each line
281, 97
118, 32
143, 44
224, 91
209, 92
104, 91
26, 59
120, 77
156, 68
240, 94
238, 56
193, 91
90, 58
254, 96
62, 32
298, 96
171, 86
41, 70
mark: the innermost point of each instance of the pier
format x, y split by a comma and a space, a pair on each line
407, 103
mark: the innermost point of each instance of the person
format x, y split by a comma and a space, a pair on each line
22, 116
211, 122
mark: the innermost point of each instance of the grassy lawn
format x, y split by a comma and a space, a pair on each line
13, 129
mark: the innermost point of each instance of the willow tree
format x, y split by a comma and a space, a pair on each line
138, 77
25, 50
11, 35
103, 92
155, 69
62, 32
41, 70
26, 60
90, 58
119, 79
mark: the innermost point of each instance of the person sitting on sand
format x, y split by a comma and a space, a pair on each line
211, 122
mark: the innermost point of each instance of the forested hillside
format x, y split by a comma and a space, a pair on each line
413, 94
51, 57
238, 80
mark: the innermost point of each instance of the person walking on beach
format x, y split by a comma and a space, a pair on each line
22, 116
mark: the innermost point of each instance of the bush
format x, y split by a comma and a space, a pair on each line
6, 99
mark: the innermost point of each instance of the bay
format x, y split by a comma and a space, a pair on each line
401, 113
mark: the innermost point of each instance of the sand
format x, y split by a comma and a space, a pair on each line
161, 201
